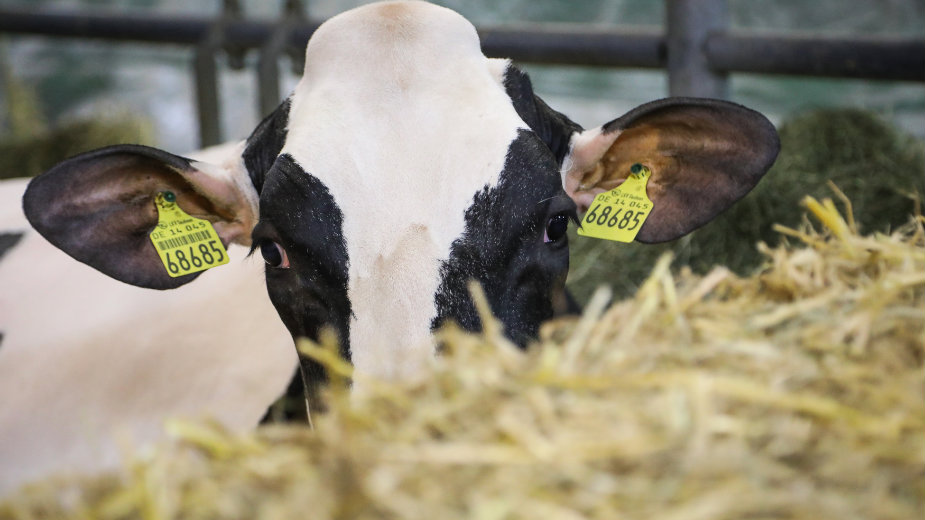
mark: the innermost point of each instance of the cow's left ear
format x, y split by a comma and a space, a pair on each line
703, 154
99, 207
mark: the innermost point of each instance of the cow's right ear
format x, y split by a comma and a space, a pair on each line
99, 207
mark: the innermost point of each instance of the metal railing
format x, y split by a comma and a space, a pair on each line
696, 48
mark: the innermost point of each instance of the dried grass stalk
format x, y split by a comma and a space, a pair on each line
796, 393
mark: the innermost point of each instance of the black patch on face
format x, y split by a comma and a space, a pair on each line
298, 212
265, 143
554, 128
8, 241
503, 247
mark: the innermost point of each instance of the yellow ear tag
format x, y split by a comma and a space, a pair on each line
185, 244
619, 213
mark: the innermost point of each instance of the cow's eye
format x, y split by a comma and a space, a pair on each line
274, 254
556, 227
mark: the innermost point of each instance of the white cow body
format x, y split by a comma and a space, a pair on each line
86, 359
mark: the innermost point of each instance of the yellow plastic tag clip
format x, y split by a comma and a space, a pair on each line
618, 214
185, 244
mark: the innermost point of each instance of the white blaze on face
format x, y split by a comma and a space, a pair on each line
403, 119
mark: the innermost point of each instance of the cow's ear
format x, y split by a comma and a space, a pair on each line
99, 207
704, 155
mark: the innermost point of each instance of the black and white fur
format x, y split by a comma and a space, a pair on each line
404, 164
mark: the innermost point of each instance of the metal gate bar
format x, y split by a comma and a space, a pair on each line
697, 49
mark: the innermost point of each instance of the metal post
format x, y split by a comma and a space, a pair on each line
297, 51
268, 74
206, 73
689, 24
269, 95
207, 107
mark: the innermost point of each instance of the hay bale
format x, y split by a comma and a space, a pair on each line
794, 393
880, 169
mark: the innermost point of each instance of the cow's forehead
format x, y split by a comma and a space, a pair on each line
404, 120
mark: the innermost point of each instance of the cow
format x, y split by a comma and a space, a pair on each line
404, 164
89, 364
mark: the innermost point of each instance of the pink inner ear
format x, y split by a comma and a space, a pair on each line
237, 209
584, 199
587, 150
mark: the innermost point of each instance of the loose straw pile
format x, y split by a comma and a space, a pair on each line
796, 393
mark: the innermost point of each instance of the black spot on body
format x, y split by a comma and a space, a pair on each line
8, 241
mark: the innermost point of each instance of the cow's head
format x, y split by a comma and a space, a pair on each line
404, 164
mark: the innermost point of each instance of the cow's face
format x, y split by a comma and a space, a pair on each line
405, 172
405, 164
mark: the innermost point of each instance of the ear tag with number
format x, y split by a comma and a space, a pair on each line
619, 213
185, 244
